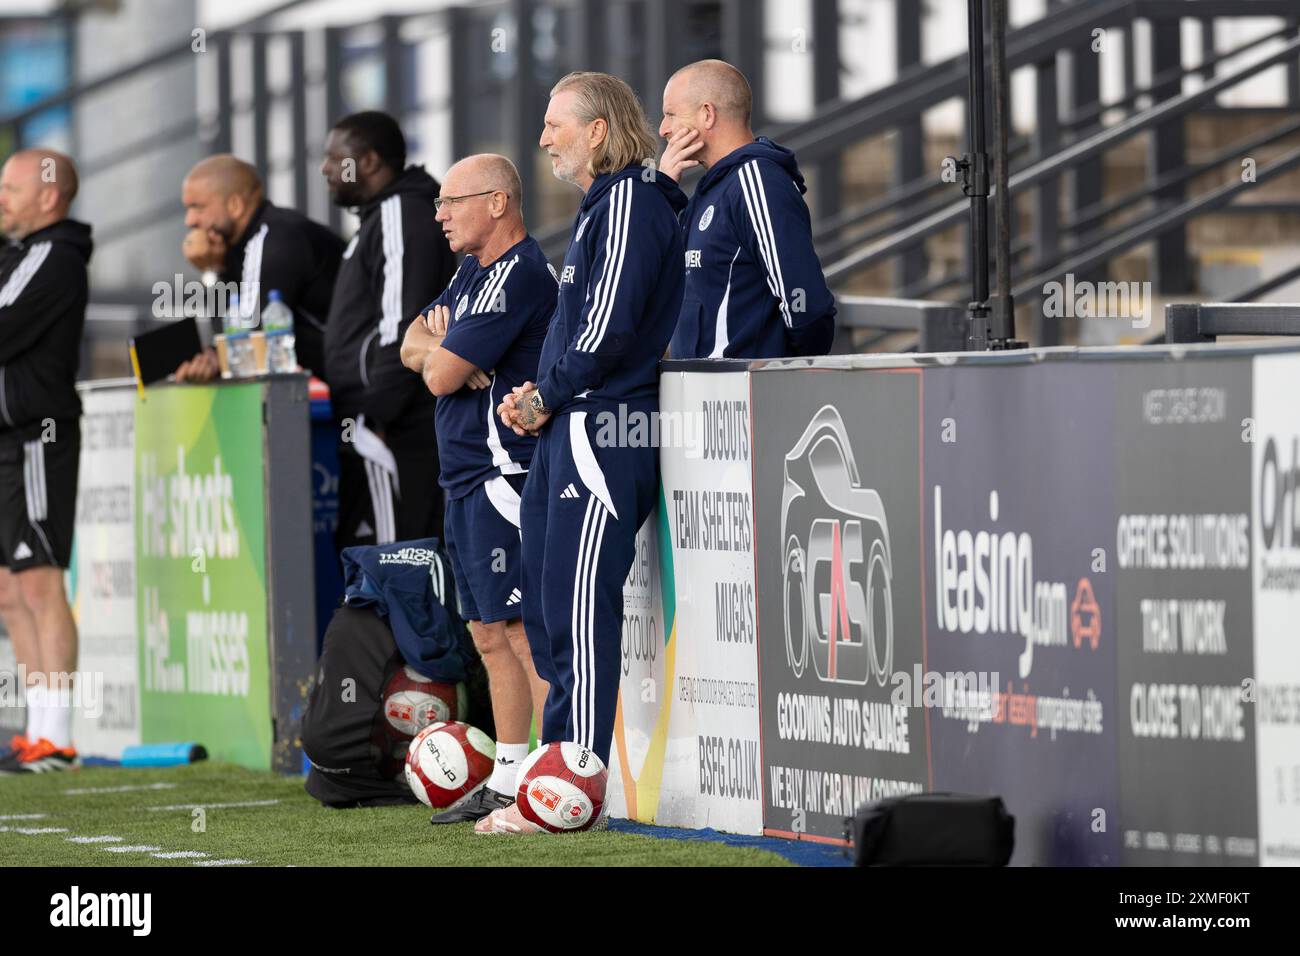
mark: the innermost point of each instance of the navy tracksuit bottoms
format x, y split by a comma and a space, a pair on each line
582, 507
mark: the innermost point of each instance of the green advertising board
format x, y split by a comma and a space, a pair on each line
201, 595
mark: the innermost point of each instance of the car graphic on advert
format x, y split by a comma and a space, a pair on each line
836, 567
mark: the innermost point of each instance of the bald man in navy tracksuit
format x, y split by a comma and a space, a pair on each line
754, 285
620, 292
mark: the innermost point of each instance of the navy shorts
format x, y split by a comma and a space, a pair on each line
481, 533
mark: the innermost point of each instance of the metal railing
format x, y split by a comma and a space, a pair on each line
1065, 150
1206, 321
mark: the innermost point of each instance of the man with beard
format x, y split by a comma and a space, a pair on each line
258, 248
587, 496
397, 262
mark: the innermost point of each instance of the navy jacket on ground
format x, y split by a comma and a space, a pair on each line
754, 285
410, 584
620, 292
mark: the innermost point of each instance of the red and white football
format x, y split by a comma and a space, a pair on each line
562, 787
413, 702
447, 762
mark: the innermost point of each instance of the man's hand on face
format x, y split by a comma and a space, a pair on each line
204, 248
202, 368
682, 145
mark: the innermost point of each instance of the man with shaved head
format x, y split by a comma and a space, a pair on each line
396, 262
236, 232
754, 285
472, 345
43, 292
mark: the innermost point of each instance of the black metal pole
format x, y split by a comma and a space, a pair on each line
976, 180
1002, 314
992, 320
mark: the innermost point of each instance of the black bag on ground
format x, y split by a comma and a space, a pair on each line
399, 609
933, 829
342, 712
341, 724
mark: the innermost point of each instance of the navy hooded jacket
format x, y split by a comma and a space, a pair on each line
620, 292
409, 584
754, 285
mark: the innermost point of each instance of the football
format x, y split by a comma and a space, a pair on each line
562, 787
413, 702
447, 762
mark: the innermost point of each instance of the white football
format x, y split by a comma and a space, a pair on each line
446, 762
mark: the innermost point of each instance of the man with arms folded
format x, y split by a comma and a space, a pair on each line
473, 345
754, 285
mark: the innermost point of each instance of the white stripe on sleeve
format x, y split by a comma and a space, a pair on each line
620, 213
751, 185
390, 220
23, 273
250, 286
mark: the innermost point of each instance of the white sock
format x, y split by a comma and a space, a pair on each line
505, 771
58, 717
35, 712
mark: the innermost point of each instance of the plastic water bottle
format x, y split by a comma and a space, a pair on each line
277, 323
235, 320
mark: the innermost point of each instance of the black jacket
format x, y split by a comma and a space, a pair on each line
43, 291
397, 263
283, 249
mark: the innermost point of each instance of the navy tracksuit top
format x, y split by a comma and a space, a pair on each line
754, 285
604, 345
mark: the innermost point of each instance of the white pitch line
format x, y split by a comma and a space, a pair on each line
106, 838
85, 791
222, 863
215, 806
181, 855
24, 816
131, 849
39, 831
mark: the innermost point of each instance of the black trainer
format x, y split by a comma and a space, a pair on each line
44, 757
11, 756
475, 808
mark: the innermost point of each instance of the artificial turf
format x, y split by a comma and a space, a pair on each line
40, 815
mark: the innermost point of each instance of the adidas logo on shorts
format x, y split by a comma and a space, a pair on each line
570, 492
514, 598
23, 551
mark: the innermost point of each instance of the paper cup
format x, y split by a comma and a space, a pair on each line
223, 356
259, 351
